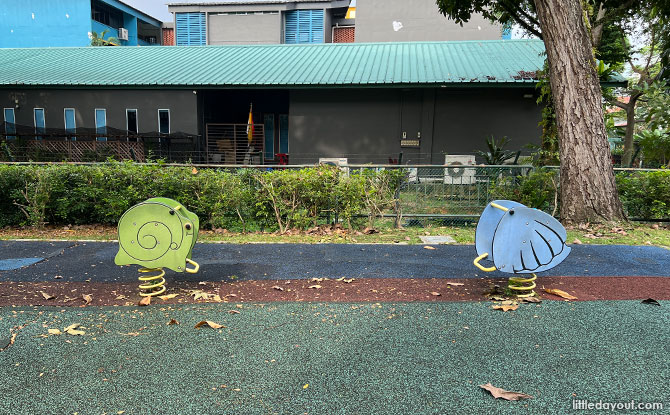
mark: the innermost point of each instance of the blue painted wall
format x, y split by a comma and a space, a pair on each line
52, 23
41, 23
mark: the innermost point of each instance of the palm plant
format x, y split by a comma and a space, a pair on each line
99, 40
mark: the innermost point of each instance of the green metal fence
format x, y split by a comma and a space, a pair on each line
447, 192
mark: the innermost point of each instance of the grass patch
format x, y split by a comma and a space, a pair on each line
630, 234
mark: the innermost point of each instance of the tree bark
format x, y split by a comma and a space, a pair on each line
588, 189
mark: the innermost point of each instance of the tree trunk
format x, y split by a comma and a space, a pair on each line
588, 190
627, 157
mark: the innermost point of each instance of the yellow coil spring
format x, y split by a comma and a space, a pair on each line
522, 286
152, 284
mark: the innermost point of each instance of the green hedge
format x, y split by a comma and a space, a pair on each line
243, 200
644, 194
250, 199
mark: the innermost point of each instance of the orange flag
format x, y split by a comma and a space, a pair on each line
250, 125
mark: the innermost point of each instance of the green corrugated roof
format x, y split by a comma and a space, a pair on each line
350, 64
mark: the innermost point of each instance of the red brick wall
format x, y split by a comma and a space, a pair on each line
344, 34
168, 37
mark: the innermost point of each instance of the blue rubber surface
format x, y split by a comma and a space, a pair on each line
95, 261
16, 263
332, 359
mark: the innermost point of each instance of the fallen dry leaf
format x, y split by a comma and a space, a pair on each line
560, 293
651, 301
47, 296
348, 280
233, 312
577, 242
167, 297
455, 284
87, 298
278, 288
210, 324
506, 307
502, 393
72, 326
201, 294
75, 332
54, 331
435, 293
531, 300
429, 247
144, 301
172, 322
316, 286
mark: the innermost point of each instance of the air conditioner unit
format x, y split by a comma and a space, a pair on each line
457, 173
123, 33
342, 163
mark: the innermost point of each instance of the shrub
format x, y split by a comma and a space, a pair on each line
645, 195
538, 189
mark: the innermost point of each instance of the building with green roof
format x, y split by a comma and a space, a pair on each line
366, 102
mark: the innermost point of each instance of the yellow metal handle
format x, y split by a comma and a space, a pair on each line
192, 270
478, 265
497, 206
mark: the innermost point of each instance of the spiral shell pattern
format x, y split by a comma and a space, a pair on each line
148, 232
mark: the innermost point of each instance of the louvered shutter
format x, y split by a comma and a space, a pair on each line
304, 26
191, 29
291, 27
316, 27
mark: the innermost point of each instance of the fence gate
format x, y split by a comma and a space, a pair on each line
229, 144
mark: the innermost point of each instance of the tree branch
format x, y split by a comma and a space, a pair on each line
609, 15
525, 24
597, 29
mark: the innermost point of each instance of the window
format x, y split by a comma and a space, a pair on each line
303, 26
164, 121
131, 122
101, 124
269, 128
191, 29
70, 123
38, 117
10, 123
105, 14
283, 133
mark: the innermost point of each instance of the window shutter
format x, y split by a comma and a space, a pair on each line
191, 29
304, 26
291, 27
316, 29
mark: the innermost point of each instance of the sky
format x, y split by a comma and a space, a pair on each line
155, 8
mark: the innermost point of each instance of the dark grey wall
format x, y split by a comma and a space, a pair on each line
182, 106
366, 125
465, 118
417, 20
361, 124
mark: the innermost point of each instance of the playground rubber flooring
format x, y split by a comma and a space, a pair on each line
320, 329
